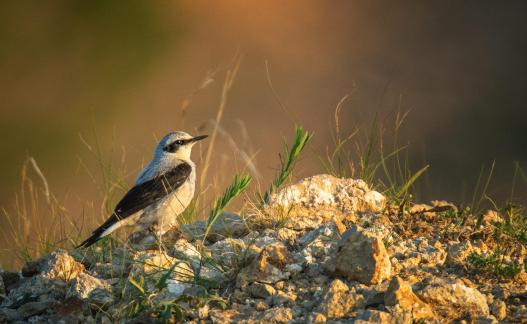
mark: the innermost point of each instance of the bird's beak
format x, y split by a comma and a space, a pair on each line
199, 138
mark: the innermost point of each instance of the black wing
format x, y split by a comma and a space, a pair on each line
142, 196
149, 192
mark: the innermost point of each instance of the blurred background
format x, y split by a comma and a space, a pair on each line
87, 88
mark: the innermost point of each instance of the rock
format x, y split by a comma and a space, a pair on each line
341, 228
457, 253
194, 231
300, 223
453, 295
8, 315
227, 252
491, 217
485, 319
443, 205
259, 242
432, 256
438, 206
294, 268
277, 315
94, 290
400, 294
280, 285
269, 267
282, 298
277, 255
374, 316
312, 235
56, 265
84, 284
318, 243
374, 201
183, 250
225, 317
33, 308
321, 198
420, 208
9, 279
499, 309
154, 264
227, 225
203, 312
102, 297
195, 291
261, 305
374, 298
337, 301
31, 289
110, 270
176, 289
260, 290
72, 306
318, 318
212, 275
326, 190
287, 235
240, 296
147, 262
360, 256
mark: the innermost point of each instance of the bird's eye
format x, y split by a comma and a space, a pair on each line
179, 142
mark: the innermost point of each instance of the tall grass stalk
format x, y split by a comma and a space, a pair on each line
362, 154
287, 161
38, 222
239, 185
481, 190
227, 86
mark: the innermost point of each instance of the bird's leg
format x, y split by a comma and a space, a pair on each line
157, 234
152, 230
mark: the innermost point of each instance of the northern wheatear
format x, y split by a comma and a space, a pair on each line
162, 191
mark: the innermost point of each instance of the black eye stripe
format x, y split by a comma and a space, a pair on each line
172, 147
183, 142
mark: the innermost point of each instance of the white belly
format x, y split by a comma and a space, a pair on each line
163, 215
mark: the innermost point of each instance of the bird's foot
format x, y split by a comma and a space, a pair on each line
152, 239
142, 240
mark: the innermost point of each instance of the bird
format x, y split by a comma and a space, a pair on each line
162, 190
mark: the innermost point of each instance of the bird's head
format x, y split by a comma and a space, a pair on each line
177, 145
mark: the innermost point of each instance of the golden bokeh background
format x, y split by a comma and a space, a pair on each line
115, 76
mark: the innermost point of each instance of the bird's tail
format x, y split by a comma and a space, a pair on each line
111, 225
96, 236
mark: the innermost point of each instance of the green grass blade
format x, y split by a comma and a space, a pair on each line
137, 285
406, 186
239, 184
162, 283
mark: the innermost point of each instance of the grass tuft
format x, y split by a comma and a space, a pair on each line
374, 155
38, 222
494, 264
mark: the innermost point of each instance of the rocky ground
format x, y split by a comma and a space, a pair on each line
323, 250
